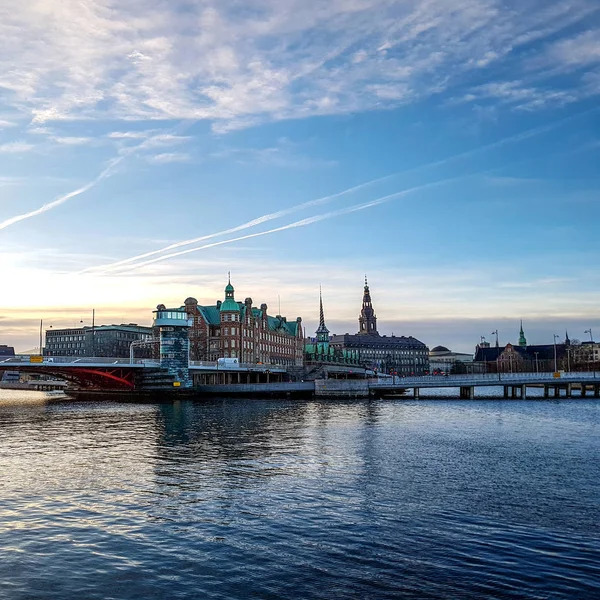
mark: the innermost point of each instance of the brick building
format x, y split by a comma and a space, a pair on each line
232, 329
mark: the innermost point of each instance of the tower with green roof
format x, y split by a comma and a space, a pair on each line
522, 340
322, 331
229, 305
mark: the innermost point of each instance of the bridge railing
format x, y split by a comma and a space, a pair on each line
23, 360
237, 366
487, 378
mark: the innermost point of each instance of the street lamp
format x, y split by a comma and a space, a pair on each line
590, 332
537, 366
555, 361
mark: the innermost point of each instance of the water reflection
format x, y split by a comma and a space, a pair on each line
289, 499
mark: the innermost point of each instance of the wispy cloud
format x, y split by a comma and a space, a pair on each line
169, 157
272, 61
72, 140
15, 147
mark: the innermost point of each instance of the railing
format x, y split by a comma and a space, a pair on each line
77, 360
237, 366
488, 379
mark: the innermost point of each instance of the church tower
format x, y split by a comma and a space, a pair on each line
522, 340
322, 332
367, 321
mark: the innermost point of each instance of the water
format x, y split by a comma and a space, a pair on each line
291, 499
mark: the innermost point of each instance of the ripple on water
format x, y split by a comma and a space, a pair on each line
274, 499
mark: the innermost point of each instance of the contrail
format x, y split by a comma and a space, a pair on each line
302, 222
107, 172
247, 225
62, 199
275, 215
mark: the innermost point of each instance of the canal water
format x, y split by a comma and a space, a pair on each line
275, 499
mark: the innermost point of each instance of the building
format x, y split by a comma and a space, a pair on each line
443, 360
232, 329
389, 354
319, 349
585, 356
101, 340
6, 351
523, 357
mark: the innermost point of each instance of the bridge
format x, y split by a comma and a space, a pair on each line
124, 374
514, 384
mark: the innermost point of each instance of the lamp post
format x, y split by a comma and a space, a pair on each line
590, 332
537, 366
555, 361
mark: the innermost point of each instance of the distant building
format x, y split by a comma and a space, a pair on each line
585, 356
523, 357
6, 351
441, 359
101, 340
232, 329
319, 349
389, 354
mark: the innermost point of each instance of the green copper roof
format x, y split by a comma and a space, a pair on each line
210, 314
230, 304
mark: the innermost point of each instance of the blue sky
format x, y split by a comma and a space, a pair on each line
449, 150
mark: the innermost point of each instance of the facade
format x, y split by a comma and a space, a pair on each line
232, 329
101, 341
6, 351
388, 354
443, 360
174, 349
585, 356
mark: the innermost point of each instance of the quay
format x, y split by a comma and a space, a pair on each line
145, 377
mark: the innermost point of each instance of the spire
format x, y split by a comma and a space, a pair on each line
567, 340
367, 321
522, 340
321, 313
322, 332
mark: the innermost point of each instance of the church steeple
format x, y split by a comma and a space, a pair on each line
322, 332
522, 340
367, 321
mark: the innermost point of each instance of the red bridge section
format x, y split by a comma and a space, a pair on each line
84, 376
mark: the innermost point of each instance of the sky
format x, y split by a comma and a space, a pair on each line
448, 150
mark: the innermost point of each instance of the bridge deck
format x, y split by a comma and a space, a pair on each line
490, 379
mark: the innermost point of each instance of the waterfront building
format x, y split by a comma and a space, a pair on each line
390, 354
100, 340
585, 356
6, 351
441, 359
233, 329
523, 357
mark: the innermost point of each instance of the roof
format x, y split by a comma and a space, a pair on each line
230, 304
211, 314
368, 341
543, 352
439, 349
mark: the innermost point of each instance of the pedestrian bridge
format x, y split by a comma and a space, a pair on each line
515, 384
